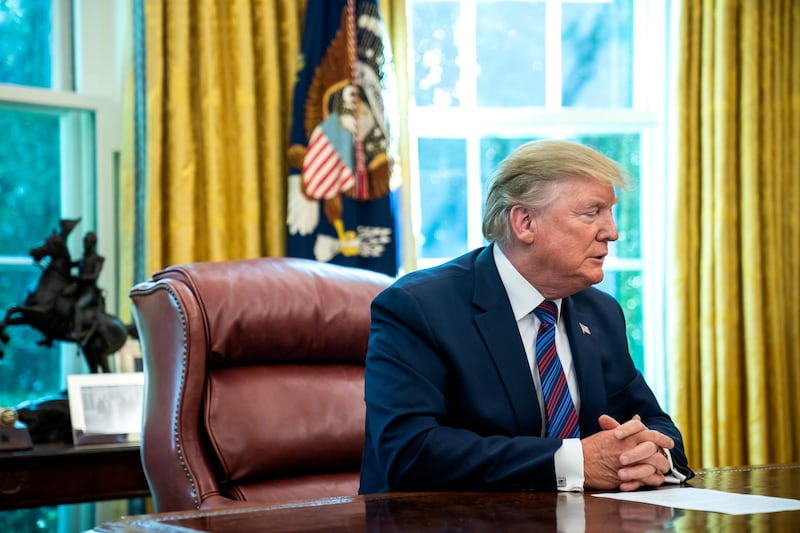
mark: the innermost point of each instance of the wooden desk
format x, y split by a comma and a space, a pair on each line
52, 474
487, 512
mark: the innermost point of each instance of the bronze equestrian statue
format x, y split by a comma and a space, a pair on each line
69, 307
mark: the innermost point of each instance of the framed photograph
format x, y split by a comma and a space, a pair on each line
106, 408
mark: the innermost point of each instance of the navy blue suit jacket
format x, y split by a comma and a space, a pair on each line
451, 404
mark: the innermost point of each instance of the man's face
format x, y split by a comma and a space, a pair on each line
571, 237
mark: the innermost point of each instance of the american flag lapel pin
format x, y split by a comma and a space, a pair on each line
584, 328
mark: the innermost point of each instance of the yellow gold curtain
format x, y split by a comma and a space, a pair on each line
219, 82
734, 317
394, 16
219, 78
126, 192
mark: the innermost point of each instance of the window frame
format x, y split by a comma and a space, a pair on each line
647, 116
88, 78
84, 202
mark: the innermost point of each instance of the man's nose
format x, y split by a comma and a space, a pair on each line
609, 230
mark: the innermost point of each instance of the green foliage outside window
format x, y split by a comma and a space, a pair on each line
30, 208
25, 31
627, 285
30, 188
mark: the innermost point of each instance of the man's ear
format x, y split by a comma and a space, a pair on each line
523, 223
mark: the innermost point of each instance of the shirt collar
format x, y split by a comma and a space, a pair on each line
523, 296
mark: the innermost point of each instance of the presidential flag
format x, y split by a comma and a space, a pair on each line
340, 206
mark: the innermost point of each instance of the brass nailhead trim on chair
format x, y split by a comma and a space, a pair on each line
175, 435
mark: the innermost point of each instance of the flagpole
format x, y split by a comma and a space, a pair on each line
361, 188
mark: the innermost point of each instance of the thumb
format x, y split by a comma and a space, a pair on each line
607, 422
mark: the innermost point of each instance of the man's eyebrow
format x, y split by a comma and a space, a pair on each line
613, 201
601, 203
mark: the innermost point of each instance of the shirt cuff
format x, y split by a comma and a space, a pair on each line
673, 476
568, 461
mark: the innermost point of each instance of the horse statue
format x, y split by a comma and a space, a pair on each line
69, 307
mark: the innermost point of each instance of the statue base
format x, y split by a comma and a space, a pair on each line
15, 438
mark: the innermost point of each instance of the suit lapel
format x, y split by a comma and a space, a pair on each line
588, 369
496, 323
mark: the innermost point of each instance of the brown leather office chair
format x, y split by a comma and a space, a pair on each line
254, 374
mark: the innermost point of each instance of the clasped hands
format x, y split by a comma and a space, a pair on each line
625, 456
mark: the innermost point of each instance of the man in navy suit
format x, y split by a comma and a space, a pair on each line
453, 392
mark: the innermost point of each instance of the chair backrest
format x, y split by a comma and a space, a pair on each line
254, 378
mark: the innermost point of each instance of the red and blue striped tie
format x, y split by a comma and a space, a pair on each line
562, 420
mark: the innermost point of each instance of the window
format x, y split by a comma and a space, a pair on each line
489, 75
57, 162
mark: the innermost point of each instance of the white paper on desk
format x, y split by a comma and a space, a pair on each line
708, 500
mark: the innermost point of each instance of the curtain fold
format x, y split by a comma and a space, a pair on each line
734, 311
394, 16
126, 188
219, 79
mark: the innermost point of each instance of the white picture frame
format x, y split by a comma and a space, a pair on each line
106, 408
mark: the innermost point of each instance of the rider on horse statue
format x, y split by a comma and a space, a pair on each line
88, 296
70, 307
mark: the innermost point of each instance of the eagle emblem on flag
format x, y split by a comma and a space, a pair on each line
347, 153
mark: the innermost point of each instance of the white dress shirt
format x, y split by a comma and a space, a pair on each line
524, 299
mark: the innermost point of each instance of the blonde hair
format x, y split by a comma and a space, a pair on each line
526, 176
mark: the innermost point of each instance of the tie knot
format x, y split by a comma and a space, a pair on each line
546, 312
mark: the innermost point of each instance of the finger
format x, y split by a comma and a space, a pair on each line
630, 486
656, 480
656, 437
662, 461
638, 471
643, 452
629, 428
653, 480
645, 435
658, 460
